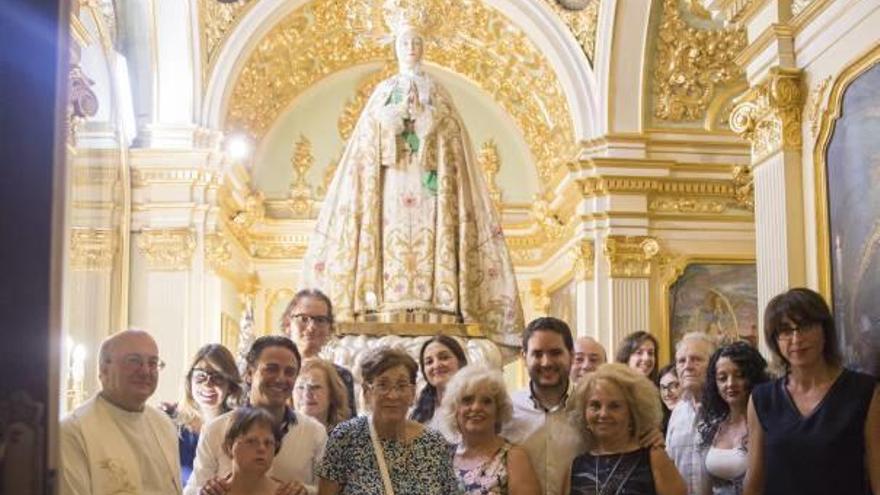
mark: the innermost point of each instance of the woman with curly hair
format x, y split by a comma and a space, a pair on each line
638, 350
475, 409
733, 371
440, 358
615, 406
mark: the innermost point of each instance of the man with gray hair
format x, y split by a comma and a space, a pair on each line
588, 355
114, 443
682, 440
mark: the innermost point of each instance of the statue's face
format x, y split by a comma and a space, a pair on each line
409, 47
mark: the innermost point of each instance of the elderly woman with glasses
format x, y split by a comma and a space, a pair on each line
384, 452
816, 430
475, 408
211, 388
320, 393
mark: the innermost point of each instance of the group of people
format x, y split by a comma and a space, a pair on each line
288, 424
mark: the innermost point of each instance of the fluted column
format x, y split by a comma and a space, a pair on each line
769, 117
585, 288
627, 286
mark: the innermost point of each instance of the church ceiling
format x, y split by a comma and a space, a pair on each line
313, 42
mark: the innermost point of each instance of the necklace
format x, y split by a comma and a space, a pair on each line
600, 487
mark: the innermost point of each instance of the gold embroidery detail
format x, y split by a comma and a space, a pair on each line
691, 64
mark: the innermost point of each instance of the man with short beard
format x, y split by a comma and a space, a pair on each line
540, 414
272, 367
682, 439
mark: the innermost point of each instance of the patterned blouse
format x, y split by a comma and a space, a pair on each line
423, 467
490, 478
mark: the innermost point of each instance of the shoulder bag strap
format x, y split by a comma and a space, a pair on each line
380, 457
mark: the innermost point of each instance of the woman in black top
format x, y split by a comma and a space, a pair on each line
816, 430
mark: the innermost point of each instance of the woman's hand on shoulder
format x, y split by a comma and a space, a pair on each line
667, 479
521, 476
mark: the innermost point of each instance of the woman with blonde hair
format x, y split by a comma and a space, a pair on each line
320, 393
475, 408
615, 406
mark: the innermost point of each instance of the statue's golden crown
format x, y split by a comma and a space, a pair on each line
382, 20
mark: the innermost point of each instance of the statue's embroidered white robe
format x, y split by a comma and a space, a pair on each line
107, 450
408, 226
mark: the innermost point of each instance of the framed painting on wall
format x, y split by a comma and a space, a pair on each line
716, 298
852, 172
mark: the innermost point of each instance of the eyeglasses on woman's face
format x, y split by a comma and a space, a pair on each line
787, 330
386, 388
201, 376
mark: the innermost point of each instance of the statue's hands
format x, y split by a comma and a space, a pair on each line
216, 486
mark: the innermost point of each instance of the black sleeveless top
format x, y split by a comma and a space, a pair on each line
822, 453
625, 474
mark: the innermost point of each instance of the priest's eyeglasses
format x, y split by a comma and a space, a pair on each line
303, 320
137, 361
201, 376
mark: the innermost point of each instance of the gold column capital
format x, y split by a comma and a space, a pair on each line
168, 249
630, 256
92, 249
769, 113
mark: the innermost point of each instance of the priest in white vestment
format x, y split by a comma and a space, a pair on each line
115, 443
408, 232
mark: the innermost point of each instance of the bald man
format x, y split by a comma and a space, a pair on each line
588, 355
115, 443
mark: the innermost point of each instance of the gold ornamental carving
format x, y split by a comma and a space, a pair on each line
546, 219
254, 211
487, 49
815, 105
630, 256
745, 187
798, 6
490, 164
218, 251
278, 246
691, 64
168, 249
600, 186
769, 115
217, 21
687, 205
584, 259
301, 197
540, 297
92, 249
582, 22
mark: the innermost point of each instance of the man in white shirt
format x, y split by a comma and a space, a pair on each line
588, 355
682, 439
540, 412
114, 443
272, 366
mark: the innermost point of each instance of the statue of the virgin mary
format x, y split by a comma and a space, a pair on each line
408, 232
